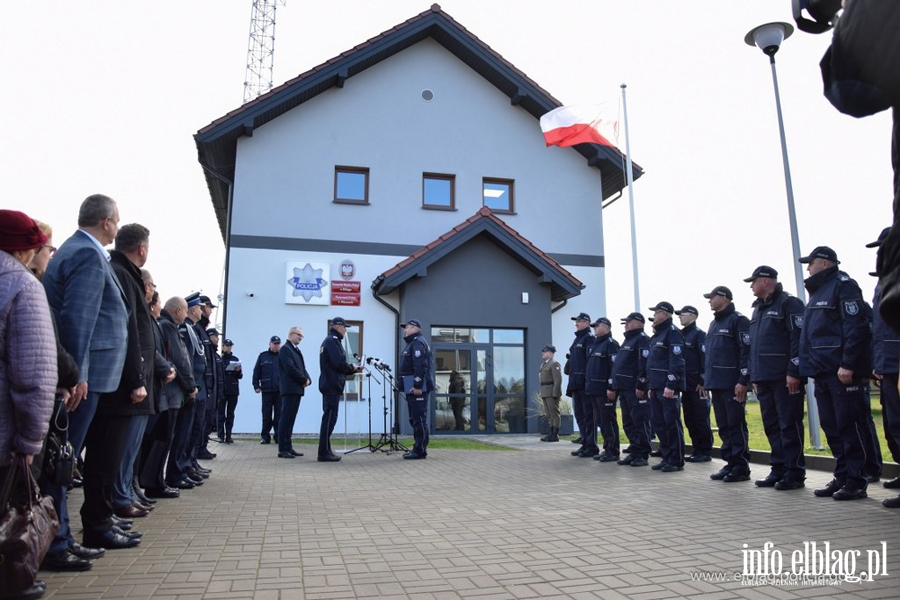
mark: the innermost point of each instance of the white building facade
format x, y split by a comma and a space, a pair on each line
408, 178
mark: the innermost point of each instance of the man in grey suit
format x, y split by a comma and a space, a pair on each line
92, 318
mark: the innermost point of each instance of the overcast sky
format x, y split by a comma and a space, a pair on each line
105, 97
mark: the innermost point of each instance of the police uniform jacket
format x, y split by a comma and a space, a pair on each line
550, 379
578, 353
265, 372
601, 357
212, 371
665, 360
630, 361
416, 361
333, 365
885, 341
197, 355
694, 355
232, 378
727, 350
835, 330
220, 375
775, 336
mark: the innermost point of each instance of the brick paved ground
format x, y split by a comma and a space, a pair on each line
534, 523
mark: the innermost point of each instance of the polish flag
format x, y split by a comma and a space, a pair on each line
579, 124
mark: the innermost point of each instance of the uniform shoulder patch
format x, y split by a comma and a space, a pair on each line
556, 367
702, 347
798, 321
745, 337
417, 353
645, 353
676, 350
851, 307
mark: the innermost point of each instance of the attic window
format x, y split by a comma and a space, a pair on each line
351, 185
498, 195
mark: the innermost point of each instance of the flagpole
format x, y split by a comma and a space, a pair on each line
630, 178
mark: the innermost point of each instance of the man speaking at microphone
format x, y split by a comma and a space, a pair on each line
333, 371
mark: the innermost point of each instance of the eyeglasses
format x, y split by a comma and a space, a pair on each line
52, 249
151, 284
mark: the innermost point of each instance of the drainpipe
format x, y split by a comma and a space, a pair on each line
228, 208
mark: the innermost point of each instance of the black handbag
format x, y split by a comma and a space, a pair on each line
27, 526
59, 460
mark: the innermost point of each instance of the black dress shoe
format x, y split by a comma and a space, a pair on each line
196, 475
626, 460
659, 466
770, 480
132, 535
184, 484
165, 492
88, 553
671, 468
589, 453
285, 455
720, 474
609, 458
789, 484
331, 458
891, 502
735, 477
892, 484
637, 461
295, 453
264, 442
37, 589
830, 488
109, 540
850, 492
197, 482
699, 458
228, 440
206, 455
65, 561
413, 455
577, 452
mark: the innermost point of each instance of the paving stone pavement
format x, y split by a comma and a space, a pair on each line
478, 524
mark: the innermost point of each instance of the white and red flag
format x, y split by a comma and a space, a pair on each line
579, 124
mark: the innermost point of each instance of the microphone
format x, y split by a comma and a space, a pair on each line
378, 363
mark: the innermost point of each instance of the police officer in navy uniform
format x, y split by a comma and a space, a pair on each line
265, 382
694, 399
664, 380
597, 373
834, 350
582, 409
415, 362
727, 378
886, 366
775, 372
333, 371
624, 386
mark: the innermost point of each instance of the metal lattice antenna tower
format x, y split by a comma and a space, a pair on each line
261, 49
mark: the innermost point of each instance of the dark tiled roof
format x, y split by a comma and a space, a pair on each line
564, 285
217, 142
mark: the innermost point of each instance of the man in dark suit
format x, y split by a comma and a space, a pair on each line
293, 380
87, 302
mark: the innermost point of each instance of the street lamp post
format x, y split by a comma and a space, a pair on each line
768, 38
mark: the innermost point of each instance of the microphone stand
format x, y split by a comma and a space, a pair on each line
370, 446
389, 437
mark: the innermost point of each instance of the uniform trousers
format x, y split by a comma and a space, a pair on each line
579, 409
605, 415
665, 414
198, 428
418, 419
225, 416
841, 413
590, 418
874, 464
731, 419
157, 444
628, 426
330, 405
696, 418
890, 413
639, 415
271, 415
179, 455
782, 417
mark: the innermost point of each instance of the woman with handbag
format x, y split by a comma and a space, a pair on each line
27, 388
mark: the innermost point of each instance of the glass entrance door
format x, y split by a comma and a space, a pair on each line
479, 381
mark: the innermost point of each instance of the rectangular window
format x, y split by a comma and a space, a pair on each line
353, 344
351, 185
498, 195
438, 191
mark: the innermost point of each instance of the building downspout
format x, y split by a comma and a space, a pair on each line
228, 208
375, 285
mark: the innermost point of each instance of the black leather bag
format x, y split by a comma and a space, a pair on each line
59, 460
27, 526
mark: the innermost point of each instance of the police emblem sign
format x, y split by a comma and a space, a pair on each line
307, 283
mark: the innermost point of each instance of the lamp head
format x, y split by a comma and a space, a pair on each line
768, 37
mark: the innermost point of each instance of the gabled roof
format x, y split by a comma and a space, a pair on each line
217, 142
563, 284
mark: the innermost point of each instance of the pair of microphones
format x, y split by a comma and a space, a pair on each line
371, 360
